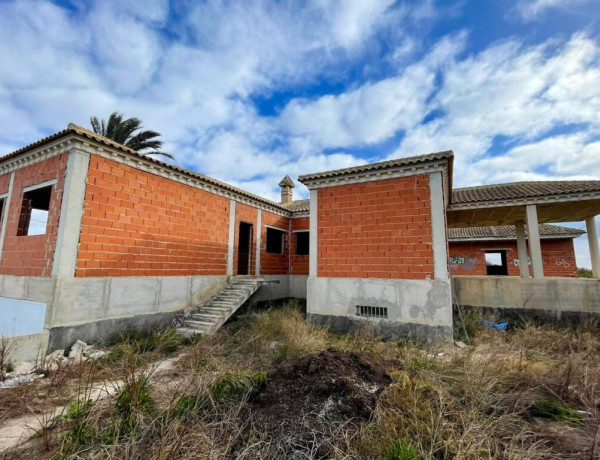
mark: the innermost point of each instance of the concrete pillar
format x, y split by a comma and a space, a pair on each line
312, 242
522, 250
231, 242
535, 247
258, 240
71, 214
438, 224
6, 209
592, 235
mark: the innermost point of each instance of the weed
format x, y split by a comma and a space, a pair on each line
166, 341
236, 384
6, 364
200, 364
401, 449
188, 405
77, 436
556, 410
76, 410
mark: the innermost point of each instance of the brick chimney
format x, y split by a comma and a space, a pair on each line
286, 184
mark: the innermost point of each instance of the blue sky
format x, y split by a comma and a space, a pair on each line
250, 91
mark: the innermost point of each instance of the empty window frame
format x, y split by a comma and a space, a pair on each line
34, 211
371, 312
495, 262
2, 201
275, 240
302, 243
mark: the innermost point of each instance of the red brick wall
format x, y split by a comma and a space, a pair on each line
274, 264
245, 213
379, 229
298, 264
136, 223
4, 182
32, 255
558, 257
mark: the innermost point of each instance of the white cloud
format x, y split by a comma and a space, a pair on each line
531, 9
374, 111
521, 94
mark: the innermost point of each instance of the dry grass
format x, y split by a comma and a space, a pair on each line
472, 403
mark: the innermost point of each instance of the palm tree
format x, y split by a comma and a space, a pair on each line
122, 130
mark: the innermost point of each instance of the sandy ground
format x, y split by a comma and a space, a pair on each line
16, 432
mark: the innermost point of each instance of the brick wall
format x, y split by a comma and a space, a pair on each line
32, 255
379, 229
274, 264
558, 257
139, 224
4, 183
298, 264
245, 213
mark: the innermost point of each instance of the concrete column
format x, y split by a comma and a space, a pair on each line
258, 239
312, 243
438, 225
535, 247
592, 235
522, 250
5, 213
231, 242
71, 214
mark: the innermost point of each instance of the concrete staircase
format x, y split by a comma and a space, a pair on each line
209, 317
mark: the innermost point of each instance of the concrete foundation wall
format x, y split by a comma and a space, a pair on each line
85, 300
417, 309
28, 347
556, 294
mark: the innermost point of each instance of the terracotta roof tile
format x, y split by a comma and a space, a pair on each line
380, 165
518, 190
508, 232
297, 206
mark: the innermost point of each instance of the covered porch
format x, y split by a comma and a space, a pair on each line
526, 205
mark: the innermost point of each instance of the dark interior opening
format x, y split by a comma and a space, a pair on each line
302, 245
34, 211
244, 248
495, 262
274, 241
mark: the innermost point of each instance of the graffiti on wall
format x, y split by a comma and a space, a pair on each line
465, 263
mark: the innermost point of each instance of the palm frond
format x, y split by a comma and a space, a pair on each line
123, 131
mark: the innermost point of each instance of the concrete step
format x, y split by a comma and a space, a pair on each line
215, 310
207, 316
195, 324
187, 332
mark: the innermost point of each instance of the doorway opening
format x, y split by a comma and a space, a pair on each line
244, 248
495, 262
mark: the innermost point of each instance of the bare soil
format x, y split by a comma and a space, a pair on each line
303, 404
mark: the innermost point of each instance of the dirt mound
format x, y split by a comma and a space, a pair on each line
306, 405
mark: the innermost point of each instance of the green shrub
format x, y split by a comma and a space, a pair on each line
166, 341
188, 405
584, 273
76, 410
554, 409
402, 450
134, 398
79, 435
235, 384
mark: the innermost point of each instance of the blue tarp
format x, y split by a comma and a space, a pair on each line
494, 325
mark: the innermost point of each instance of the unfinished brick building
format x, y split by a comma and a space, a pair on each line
96, 239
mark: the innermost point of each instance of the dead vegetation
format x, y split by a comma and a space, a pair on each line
271, 386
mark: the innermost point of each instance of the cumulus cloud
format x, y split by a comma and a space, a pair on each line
531, 9
519, 93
